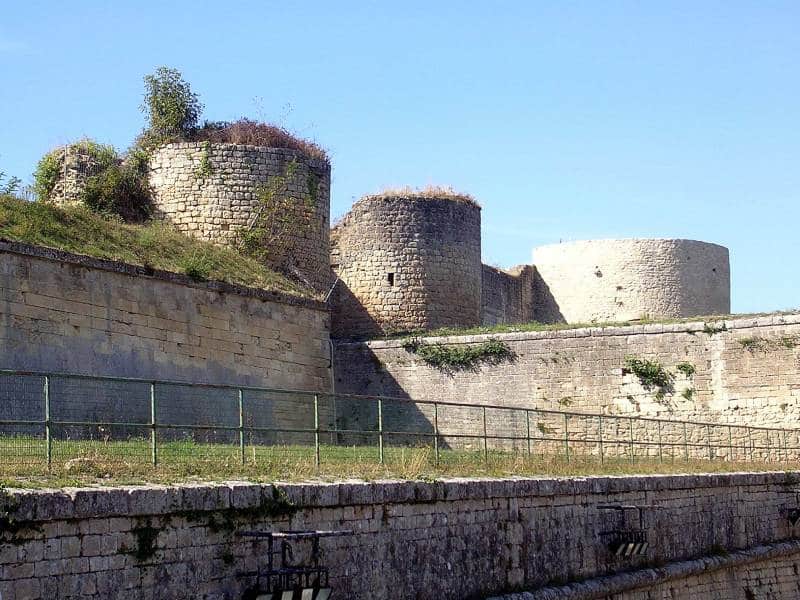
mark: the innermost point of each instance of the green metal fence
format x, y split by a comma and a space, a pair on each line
47, 419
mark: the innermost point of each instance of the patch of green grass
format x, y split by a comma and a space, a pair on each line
127, 462
710, 327
154, 245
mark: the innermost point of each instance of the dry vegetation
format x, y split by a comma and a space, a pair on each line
117, 463
427, 192
253, 133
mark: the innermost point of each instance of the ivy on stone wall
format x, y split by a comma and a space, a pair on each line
449, 359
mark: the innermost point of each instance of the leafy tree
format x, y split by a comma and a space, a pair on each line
171, 107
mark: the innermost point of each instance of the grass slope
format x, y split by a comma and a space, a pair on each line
77, 229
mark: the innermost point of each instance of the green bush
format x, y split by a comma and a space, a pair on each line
120, 190
47, 172
460, 358
172, 109
50, 167
650, 373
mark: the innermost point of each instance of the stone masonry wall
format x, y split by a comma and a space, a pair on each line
620, 280
746, 372
61, 312
407, 263
211, 191
76, 166
768, 571
443, 540
507, 296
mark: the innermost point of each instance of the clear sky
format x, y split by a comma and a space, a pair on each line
566, 120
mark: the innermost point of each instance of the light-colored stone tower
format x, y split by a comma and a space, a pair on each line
407, 262
211, 191
620, 280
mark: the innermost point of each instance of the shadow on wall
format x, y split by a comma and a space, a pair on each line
546, 309
404, 423
349, 318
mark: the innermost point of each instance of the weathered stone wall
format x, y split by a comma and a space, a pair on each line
745, 374
620, 280
768, 571
507, 296
61, 312
407, 263
211, 191
444, 540
76, 165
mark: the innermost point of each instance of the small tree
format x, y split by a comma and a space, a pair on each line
171, 107
8, 187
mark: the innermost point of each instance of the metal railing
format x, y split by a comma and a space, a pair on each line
47, 418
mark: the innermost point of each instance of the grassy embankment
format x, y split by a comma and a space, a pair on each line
154, 245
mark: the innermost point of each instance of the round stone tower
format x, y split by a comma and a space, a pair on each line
216, 192
407, 261
621, 280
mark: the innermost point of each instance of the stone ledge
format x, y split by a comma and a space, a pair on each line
603, 587
731, 323
79, 503
89, 262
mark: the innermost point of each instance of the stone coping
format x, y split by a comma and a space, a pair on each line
601, 588
149, 500
692, 327
314, 162
90, 262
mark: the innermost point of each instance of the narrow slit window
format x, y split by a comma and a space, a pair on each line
390, 278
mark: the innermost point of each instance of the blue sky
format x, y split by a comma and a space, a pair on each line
566, 120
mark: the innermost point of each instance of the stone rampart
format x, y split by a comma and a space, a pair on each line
446, 540
621, 280
61, 312
741, 371
211, 191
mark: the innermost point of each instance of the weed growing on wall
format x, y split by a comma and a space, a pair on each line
753, 343
686, 368
651, 373
449, 359
277, 219
714, 327
205, 169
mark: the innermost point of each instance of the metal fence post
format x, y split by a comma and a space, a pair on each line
685, 442
48, 438
785, 447
241, 425
708, 442
380, 430
485, 439
316, 430
566, 436
436, 433
600, 431
630, 428
750, 442
730, 444
528, 427
153, 432
660, 447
